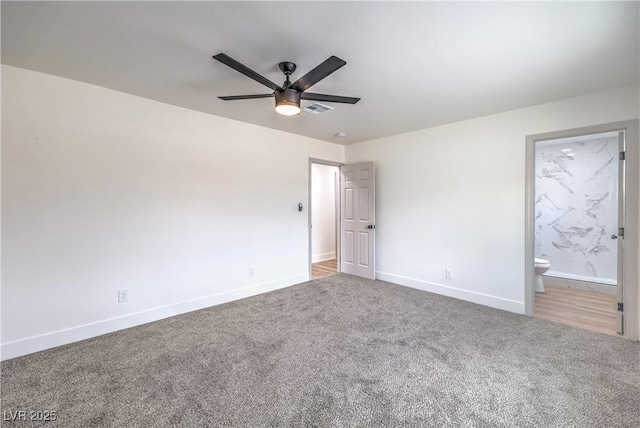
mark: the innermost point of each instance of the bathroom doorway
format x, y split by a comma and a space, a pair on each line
324, 219
576, 217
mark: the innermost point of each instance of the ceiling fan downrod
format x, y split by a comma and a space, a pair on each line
288, 68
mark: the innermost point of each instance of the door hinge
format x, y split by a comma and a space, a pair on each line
620, 307
621, 231
623, 155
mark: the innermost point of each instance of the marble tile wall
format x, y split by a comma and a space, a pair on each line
577, 207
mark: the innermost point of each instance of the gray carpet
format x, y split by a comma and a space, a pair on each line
335, 352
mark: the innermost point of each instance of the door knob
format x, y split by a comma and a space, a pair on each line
614, 236
371, 226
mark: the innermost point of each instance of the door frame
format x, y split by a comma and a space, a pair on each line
630, 258
310, 202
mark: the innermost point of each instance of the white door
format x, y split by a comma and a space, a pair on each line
358, 225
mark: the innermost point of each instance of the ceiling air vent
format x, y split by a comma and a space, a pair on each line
317, 108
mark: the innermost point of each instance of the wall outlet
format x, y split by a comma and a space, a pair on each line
123, 295
448, 273
252, 271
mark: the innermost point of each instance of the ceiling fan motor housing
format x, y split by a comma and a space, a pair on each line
287, 97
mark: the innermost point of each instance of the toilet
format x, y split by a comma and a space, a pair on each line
541, 266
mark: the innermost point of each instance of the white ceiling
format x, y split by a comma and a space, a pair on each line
414, 64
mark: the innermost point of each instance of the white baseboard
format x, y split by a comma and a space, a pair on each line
315, 258
469, 296
580, 285
62, 337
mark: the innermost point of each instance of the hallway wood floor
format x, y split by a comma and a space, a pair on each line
578, 308
324, 269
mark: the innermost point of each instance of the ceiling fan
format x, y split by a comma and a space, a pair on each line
288, 95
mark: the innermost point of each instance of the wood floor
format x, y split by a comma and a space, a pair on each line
324, 269
578, 308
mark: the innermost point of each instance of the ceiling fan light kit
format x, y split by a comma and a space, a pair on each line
287, 102
288, 95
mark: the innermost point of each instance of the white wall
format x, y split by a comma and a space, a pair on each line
453, 197
103, 190
323, 212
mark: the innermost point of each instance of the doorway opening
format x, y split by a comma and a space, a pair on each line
576, 230
354, 213
577, 216
324, 219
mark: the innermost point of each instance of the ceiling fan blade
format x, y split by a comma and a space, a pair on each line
230, 62
317, 74
245, 97
328, 98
